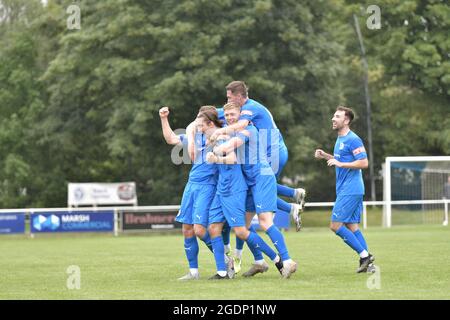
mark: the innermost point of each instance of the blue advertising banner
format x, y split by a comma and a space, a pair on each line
281, 220
74, 221
12, 222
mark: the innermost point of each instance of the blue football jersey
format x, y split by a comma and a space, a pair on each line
231, 179
262, 119
184, 140
201, 171
349, 148
250, 155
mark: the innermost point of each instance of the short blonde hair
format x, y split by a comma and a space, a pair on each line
231, 105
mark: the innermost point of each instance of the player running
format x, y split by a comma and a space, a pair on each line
349, 158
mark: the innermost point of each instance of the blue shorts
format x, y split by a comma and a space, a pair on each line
229, 209
348, 209
262, 197
278, 163
195, 203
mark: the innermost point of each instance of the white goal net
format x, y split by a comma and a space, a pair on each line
416, 190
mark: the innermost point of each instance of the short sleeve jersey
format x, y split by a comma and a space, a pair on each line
349, 148
201, 172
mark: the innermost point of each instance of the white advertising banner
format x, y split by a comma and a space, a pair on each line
84, 194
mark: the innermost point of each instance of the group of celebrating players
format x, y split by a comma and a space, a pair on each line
238, 153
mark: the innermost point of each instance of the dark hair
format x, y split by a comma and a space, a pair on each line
204, 108
348, 112
238, 87
209, 114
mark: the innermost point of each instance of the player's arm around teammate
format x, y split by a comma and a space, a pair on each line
229, 206
232, 114
261, 182
253, 112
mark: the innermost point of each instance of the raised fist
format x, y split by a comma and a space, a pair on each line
164, 112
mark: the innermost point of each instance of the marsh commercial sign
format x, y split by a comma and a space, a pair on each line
72, 221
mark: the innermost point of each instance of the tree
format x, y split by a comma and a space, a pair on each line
109, 79
81, 105
20, 99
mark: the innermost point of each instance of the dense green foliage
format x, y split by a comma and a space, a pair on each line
81, 105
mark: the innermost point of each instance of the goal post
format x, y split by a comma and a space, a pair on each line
419, 181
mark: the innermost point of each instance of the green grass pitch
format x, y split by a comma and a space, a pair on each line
414, 263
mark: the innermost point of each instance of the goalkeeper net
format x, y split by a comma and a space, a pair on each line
416, 189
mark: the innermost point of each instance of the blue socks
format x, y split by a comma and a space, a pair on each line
283, 205
191, 250
207, 240
254, 240
219, 253
358, 234
278, 241
285, 191
239, 243
350, 239
226, 234
257, 254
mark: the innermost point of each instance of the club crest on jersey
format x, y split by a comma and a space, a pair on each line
341, 146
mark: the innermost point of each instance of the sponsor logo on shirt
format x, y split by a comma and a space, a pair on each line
358, 150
